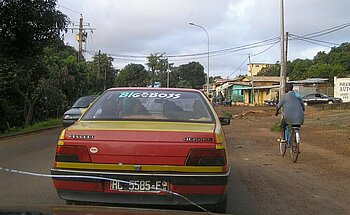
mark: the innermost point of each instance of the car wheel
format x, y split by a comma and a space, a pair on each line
330, 102
305, 103
219, 207
70, 202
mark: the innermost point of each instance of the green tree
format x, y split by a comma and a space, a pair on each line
174, 76
323, 70
132, 75
27, 27
193, 74
297, 70
102, 73
271, 70
321, 57
184, 84
158, 66
71, 76
340, 55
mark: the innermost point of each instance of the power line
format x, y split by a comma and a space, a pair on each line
327, 31
91, 43
238, 67
133, 58
315, 43
316, 40
196, 56
74, 11
212, 53
265, 50
272, 42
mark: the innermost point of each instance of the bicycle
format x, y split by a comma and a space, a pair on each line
292, 141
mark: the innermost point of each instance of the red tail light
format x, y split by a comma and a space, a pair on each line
206, 157
72, 154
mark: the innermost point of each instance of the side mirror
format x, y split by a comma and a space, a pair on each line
225, 120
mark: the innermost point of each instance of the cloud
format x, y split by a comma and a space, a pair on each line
141, 27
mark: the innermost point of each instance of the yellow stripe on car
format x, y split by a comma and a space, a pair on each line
146, 168
143, 126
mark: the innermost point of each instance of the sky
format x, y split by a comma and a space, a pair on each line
129, 30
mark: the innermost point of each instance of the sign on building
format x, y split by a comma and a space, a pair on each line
342, 88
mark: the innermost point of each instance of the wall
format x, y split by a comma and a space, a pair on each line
254, 69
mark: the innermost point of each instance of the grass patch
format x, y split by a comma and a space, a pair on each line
227, 114
34, 127
276, 127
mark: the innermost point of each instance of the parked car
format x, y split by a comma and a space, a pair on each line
272, 102
320, 98
71, 115
156, 146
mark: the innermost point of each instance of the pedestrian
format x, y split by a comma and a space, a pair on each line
213, 101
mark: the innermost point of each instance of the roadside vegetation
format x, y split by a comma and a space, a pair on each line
40, 76
227, 114
35, 127
276, 127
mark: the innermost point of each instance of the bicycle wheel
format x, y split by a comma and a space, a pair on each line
294, 149
283, 145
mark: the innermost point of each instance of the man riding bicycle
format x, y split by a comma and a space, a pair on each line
293, 107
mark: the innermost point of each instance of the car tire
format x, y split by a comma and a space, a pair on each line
219, 207
330, 102
70, 202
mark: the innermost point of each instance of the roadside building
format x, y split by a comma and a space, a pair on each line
254, 90
313, 85
223, 87
255, 68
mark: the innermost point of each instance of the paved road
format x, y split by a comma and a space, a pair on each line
35, 153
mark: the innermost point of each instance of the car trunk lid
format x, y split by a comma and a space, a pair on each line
140, 143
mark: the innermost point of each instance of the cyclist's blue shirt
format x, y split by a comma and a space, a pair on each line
293, 108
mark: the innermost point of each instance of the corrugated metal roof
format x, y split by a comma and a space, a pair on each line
257, 88
264, 78
310, 81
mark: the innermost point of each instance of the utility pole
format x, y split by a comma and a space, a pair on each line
252, 82
81, 39
283, 58
99, 64
105, 81
82, 35
250, 65
168, 74
286, 53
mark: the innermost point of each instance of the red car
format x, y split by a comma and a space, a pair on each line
145, 146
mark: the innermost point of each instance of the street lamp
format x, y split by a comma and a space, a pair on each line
191, 23
168, 75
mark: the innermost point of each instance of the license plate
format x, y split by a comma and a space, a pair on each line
139, 185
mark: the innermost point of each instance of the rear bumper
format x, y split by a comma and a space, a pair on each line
141, 199
199, 188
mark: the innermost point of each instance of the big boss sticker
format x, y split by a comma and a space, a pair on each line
150, 95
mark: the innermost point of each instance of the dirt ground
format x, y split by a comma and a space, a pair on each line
317, 184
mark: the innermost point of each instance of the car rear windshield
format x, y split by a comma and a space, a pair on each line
150, 105
84, 102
